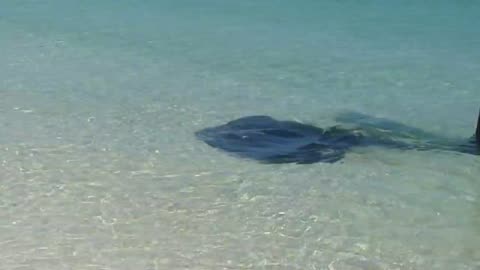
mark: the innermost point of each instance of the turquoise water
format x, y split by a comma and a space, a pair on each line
100, 169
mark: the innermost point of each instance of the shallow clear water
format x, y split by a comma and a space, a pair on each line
100, 169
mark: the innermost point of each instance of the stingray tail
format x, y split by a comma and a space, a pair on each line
477, 133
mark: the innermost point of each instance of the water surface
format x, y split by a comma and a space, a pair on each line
99, 101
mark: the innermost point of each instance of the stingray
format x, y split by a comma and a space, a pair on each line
267, 140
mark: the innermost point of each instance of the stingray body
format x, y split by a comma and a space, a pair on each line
268, 140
